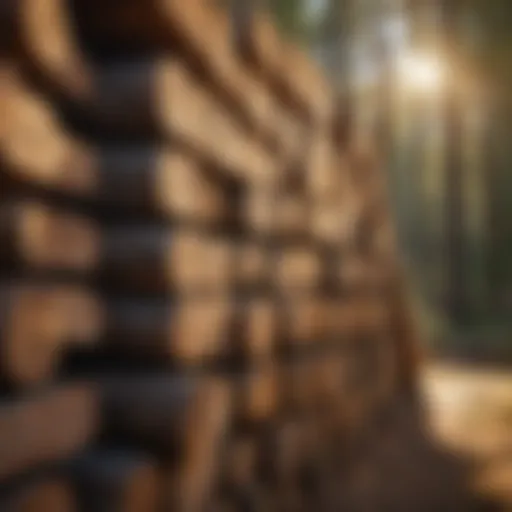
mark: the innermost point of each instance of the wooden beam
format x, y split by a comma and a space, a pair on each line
257, 397
198, 29
108, 480
38, 321
184, 419
38, 237
256, 331
252, 265
297, 268
305, 320
46, 493
187, 331
46, 427
169, 102
40, 35
157, 260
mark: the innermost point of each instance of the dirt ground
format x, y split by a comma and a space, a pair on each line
470, 413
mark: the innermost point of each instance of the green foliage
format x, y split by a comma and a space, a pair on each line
290, 17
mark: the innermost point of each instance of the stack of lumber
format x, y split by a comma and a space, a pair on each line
198, 301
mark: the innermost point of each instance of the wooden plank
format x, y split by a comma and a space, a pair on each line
290, 133
297, 268
164, 413
384, 361
164, 99
252, 265
327, 223
257, 397
297, 386
47, 427
184, 418
307, 85
168, 101
153, 260
50, 494
108, 480
360, 316
329, 383
240, 464
37, 322
292, 215
283, 454
188, 331
33, 145
261, 45
198, 29
40, 35
229, 74
356, 274
325, 178
258, 211
306, 320
166, 181
336, 222
288, 68
406, 338
256, 329
37, 236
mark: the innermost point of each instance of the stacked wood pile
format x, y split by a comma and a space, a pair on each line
198, 302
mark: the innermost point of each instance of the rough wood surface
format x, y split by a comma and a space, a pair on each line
35, 149
283, 455
46, 427
240, 463
40, 35
50, 494
198, 29
257, 395
166, 100
261, 44
305, 320
37, 322
186, 331
33, 144
256, 327
258, 207
158, 261
361, 316
253, 265
306, 84
165, 181
297, 268
287, 68
363, 275
292, 215
184, 419
115, 480
163, 412
336, 222
38, 237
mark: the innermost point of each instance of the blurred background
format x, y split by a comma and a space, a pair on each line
433, 80
433, 77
